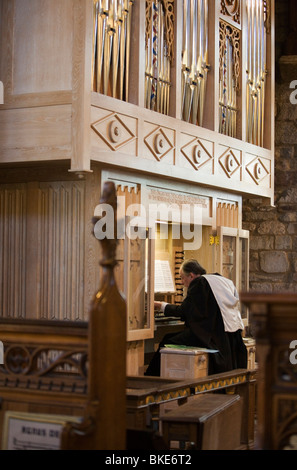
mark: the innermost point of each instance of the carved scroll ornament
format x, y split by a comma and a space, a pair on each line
231, 8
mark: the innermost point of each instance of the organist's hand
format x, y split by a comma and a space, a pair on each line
157, 305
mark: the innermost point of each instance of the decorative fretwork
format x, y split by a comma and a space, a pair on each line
159, 39
168, 23
111, 47
231, 8
34, 367
229, 74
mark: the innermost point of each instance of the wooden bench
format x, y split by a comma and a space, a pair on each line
208, 422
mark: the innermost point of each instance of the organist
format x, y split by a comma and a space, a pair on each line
212, 320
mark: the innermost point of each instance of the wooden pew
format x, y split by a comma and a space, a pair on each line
45, 368
273, 318
45, 371
239, 381
45, 364
150, 398
210, 422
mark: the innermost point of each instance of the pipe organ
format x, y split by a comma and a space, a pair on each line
111, 47
257, 28
242, 28
173, 101
194, 60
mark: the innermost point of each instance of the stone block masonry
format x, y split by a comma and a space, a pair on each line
273, 230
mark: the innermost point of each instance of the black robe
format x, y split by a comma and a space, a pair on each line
204, 327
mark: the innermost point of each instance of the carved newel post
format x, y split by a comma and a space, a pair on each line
104, 426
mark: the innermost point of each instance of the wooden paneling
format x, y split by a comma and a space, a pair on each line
41, 133
165, 146
42, 59
61, 249
42, 250
13, 201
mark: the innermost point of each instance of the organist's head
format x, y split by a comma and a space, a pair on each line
189, 270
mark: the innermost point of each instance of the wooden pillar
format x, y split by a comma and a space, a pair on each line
104, 424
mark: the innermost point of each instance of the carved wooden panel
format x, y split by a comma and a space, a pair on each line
42, 250
231, 8
60, 256
159, 143
258, 170
46, 364
13, 208
197, 153
114, 131
167, 148
230, 161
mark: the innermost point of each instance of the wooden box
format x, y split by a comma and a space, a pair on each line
189, 363
208, 422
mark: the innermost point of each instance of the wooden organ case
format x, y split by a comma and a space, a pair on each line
173, 101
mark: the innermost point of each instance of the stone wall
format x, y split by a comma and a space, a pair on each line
273, 230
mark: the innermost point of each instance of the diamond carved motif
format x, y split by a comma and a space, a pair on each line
257, 170
113, 131
229, 162
196, 153
158, 143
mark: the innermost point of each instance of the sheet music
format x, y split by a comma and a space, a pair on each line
163, 277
